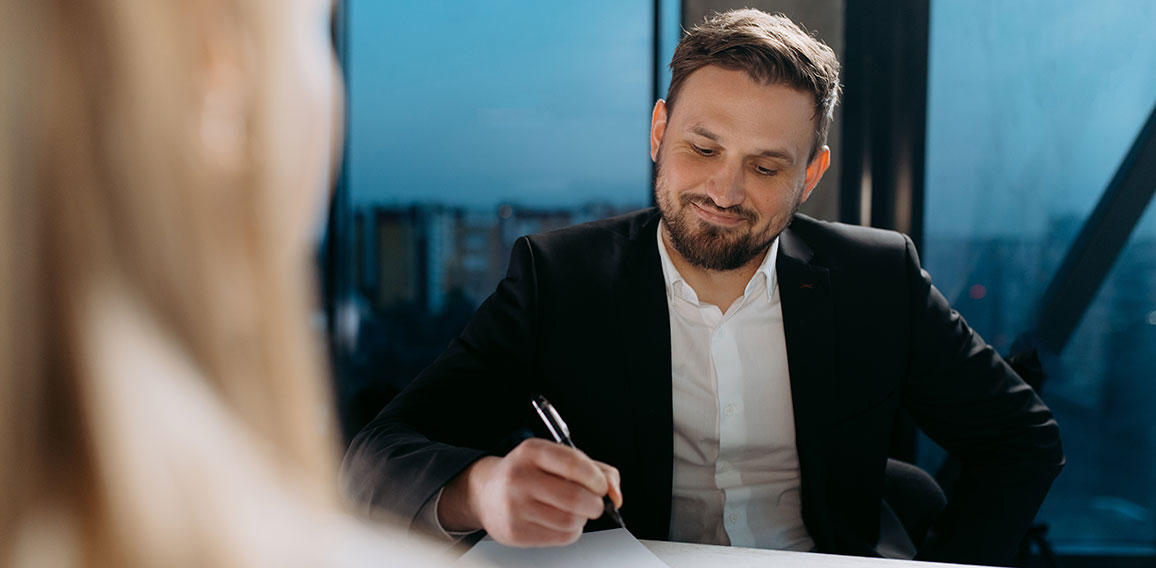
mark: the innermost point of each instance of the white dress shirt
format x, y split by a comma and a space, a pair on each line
736, 469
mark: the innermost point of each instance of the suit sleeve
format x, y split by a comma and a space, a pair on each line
457, 410
967, 399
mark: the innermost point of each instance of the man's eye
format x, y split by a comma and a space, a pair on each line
764, 171
703, 151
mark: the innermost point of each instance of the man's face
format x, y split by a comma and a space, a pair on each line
732, 165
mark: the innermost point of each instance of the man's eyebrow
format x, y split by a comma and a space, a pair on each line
778, 154
703, 132
774, 153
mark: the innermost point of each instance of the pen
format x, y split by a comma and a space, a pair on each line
561, 434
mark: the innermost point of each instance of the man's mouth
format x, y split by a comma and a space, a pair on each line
714, 217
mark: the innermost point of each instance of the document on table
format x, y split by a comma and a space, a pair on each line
615, 547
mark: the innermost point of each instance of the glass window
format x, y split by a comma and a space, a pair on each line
1103, 395
1031, 107
471, 124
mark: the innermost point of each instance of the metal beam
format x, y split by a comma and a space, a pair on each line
1099, 243
656, 78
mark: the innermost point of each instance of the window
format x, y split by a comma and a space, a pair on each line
471, 124
1102, 396
1031, 107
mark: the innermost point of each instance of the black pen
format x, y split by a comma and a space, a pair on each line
561, 434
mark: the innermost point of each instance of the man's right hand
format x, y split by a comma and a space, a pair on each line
540, 494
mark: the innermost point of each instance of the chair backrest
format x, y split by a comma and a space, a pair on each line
914, 496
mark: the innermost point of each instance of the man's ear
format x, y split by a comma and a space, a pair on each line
815, 171
657, 128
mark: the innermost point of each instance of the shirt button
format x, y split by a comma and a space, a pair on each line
729, 410
734, 517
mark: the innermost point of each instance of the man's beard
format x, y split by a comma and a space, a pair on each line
711, 247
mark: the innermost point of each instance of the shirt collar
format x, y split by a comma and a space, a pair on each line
676, 284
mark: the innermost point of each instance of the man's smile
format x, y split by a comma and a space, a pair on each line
713, 217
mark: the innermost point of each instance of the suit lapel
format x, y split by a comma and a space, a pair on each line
643, 331
808, 321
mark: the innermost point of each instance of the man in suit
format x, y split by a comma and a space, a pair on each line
732, 370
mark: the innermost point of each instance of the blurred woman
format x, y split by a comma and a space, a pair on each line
162, 400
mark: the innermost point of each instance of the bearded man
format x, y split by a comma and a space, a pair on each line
732, 370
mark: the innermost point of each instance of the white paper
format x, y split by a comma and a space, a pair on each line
609, 548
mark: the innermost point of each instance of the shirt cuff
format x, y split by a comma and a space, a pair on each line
427, 520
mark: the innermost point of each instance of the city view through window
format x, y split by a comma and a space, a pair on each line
472, 124
1031, 109
520, 117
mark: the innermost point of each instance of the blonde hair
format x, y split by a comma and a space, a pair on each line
136, 153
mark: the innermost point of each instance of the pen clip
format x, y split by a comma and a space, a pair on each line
553, 420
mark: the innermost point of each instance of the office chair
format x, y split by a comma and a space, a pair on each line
915, 498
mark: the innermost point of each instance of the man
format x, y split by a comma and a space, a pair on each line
737, 366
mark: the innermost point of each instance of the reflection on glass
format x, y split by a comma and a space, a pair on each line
1031, 107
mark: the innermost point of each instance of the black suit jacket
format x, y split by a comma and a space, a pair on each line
582, 318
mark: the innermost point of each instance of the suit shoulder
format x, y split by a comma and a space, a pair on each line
839, 244
595, 236
589, 252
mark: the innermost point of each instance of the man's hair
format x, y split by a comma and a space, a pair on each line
771, 49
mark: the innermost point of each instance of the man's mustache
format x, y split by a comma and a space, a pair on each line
708, 204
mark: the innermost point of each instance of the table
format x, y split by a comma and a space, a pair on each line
684, 555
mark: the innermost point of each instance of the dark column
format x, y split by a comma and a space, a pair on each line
885, 114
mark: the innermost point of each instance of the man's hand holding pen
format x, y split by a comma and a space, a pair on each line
540, 494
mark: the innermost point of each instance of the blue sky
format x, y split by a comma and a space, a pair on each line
1031, 105
477, 103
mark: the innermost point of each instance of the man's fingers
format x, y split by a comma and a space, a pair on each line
540, 494
567, 496
613, 481
567, 463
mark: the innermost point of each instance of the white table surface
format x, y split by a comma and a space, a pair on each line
684, 555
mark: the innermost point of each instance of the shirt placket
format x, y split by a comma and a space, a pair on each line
727, 364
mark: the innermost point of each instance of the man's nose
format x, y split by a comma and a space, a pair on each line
725, 186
